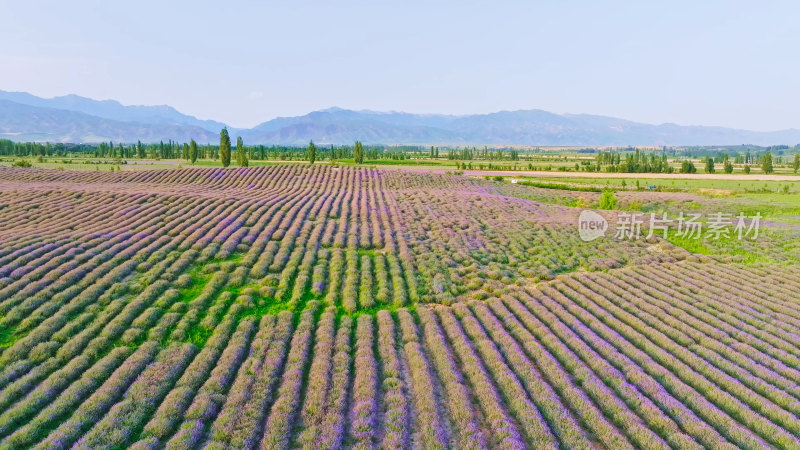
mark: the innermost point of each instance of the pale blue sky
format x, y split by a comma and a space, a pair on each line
731, 63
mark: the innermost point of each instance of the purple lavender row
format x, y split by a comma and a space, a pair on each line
140, 400
395, 401
760, 358
48, 403
167, 417
615, 382
736, 397
95, 407
459, 405
282, 414
563, 424
83, 342
210, 396
592, 403
430, 431
505, 431
259, 386
330, 432
720, 357
365, 387
224, 425
759, 334
319, 379
683, 392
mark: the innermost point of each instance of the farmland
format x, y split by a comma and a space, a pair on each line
321, 306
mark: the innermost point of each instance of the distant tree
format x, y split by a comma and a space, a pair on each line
709, 165
607, 199
688, 167
728, 167
747, 168
140, 150
192, 151
358, 153
796, 164
766, 163
225, 147
312, 152
727, 164
241, 153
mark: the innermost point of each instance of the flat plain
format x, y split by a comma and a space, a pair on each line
292, 306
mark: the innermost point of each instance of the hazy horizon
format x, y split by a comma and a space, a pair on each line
715, 64
367, 110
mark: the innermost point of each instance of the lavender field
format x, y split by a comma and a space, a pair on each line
300, 306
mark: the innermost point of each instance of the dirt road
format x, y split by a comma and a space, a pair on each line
684, 176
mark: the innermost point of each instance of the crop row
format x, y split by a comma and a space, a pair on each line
325, 307
550, 367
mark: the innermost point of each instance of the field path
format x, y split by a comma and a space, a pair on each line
673, 176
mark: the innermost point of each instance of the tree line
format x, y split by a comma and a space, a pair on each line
193, 151
625, 160
640, 162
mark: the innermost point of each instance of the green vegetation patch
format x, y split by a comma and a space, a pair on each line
7, 337
561, 186
674, 184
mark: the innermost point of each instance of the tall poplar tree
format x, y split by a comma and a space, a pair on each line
225, 147
358, 153
241, 153
192, 151
766, 163
709, 165
312, 152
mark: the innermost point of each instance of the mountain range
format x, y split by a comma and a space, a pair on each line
71, 118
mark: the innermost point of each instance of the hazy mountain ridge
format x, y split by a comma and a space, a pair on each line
523, 127
78, 119
112, 109
30, 123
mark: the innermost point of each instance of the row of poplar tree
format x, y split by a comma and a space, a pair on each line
241, 152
